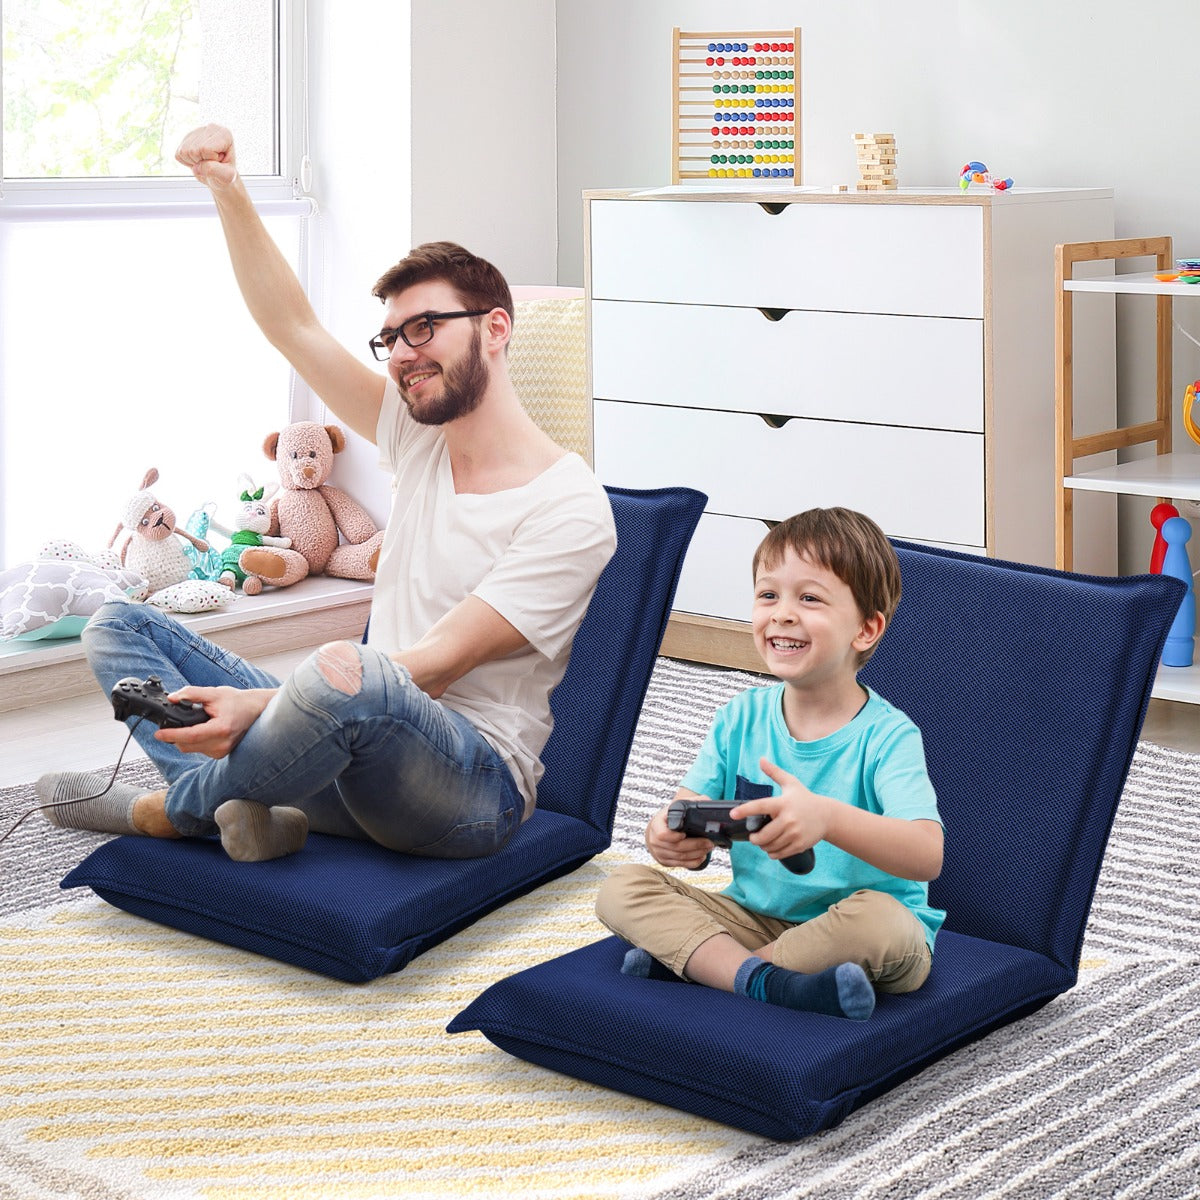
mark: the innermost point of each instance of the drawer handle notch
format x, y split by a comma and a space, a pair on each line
775, 420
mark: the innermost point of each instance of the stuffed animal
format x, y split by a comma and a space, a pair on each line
252, 523
312, 513
151, 548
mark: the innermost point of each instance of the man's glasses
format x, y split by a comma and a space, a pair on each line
416, 331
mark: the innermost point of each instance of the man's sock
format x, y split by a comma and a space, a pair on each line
638, 962
842, 991
95, 806
252, 832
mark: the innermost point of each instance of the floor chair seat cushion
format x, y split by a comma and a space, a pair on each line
354, 910
774, 1072
349, 909
1029, 687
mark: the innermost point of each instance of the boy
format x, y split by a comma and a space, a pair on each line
848, 772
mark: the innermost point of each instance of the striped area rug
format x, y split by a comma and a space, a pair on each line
138, 1063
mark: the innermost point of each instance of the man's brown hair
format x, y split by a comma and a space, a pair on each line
477, 282
850, 545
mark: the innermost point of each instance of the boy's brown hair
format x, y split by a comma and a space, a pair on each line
849, 544
477, 282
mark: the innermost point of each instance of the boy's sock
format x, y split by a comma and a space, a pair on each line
842, 991
100, 808
638, 962
252, 832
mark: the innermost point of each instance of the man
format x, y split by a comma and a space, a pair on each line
427, 739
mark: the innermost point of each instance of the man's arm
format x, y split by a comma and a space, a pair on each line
470, 634
273, 293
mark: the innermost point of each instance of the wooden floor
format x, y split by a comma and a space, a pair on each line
80, 733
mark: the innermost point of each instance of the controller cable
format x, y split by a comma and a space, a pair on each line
78, 799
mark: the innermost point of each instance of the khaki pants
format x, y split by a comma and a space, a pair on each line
669, 918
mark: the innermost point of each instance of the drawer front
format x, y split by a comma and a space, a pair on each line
917, 259
919, 484
888, 370
716, 580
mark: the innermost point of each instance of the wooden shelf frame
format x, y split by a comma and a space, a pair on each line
1068, 447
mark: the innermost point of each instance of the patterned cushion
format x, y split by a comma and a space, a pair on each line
34, 595
547, 361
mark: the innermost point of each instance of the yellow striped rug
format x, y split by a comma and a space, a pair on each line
141, 1062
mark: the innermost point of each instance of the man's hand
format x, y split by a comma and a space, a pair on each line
671, 847
799, 817
231, 711
208, 152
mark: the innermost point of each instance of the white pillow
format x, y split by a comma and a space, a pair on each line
192, 596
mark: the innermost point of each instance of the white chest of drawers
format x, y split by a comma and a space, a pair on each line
783, 350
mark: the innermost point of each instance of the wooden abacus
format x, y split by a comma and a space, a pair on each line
736, 106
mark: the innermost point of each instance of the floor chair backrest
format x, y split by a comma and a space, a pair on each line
597, 704
1017, 677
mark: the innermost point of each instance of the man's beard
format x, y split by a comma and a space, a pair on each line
463, 385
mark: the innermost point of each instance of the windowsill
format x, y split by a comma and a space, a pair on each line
316, 610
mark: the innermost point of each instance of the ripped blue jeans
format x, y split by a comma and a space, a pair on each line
348, 738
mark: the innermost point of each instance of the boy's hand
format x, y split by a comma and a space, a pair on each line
799, 817
672, 848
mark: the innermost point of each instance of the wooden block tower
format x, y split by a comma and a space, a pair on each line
876, 154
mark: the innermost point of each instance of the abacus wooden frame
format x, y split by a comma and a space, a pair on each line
678, 36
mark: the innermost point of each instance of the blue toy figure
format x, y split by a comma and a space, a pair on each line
1181, 636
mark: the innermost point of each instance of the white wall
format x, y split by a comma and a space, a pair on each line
483, 131
1050, 92
429, 121
362, 176
518, 107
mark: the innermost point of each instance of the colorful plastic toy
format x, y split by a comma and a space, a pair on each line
1178, 651
1159, 514
977, 172
1189, 423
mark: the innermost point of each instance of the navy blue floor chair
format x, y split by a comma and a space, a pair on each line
354, 910
1030, 688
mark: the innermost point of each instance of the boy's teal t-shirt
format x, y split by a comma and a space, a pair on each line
876, 762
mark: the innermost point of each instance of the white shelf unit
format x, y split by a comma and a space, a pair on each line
1168, 474
891, 352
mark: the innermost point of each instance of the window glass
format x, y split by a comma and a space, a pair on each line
127, 346
104, 89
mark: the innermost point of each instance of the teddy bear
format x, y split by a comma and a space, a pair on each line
312, 513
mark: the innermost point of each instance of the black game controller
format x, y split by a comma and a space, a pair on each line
710, 819
145, 698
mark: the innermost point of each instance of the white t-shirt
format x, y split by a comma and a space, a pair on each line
533, 553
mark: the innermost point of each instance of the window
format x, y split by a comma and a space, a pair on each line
124, 343
101, 89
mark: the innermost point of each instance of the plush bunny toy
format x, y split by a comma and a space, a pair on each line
252, 522
151, 548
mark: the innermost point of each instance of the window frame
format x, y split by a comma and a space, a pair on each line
283, 193
290, 116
